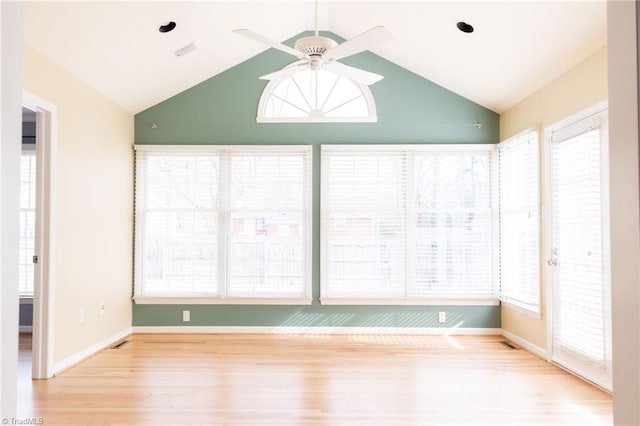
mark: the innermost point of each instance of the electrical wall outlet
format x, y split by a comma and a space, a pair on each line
442, 317
101, 308
186, 316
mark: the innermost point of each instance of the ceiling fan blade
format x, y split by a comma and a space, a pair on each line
369, 38
355, 74
288, 70
269, 42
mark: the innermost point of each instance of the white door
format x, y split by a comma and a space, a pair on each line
578, 257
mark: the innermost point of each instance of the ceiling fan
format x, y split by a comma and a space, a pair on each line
317, 52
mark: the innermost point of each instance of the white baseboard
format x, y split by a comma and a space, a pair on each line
82, 355
316, 330
525, 344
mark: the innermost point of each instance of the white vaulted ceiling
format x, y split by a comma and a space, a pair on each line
517, 46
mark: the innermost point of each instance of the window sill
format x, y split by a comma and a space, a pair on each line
522, 309
26, 300
409, 302
140, 300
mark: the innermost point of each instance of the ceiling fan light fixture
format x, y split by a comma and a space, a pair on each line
464, 27
315, 63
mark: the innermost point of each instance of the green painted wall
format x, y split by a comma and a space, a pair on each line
317, 316
222, 110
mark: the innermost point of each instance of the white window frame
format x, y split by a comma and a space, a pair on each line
513, 301
268, 92
306, 299
431, 148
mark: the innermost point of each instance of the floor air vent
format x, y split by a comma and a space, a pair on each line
119, 345
508, 344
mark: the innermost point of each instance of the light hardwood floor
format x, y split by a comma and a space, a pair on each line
314, 380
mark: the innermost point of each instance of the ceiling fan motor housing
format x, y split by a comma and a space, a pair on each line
314, 46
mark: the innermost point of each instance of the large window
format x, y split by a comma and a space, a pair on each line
519, 222
27, 221
416, 224
413, 223
223, 223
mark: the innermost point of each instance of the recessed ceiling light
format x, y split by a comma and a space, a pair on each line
464, 27
165, 28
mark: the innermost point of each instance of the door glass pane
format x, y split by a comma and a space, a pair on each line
580, 282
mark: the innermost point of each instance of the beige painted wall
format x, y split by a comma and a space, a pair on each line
579, 88
94, 193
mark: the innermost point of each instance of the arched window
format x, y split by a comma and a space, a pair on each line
315, 96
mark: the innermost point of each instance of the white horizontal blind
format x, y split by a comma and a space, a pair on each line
452, 225
406, 222
222, 222
267, 236
177, 220
27, 222
364, 213
581, 307
519, 221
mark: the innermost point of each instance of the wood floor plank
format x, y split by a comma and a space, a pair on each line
315, 380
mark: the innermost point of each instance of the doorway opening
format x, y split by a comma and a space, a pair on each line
26, 255
37, 246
